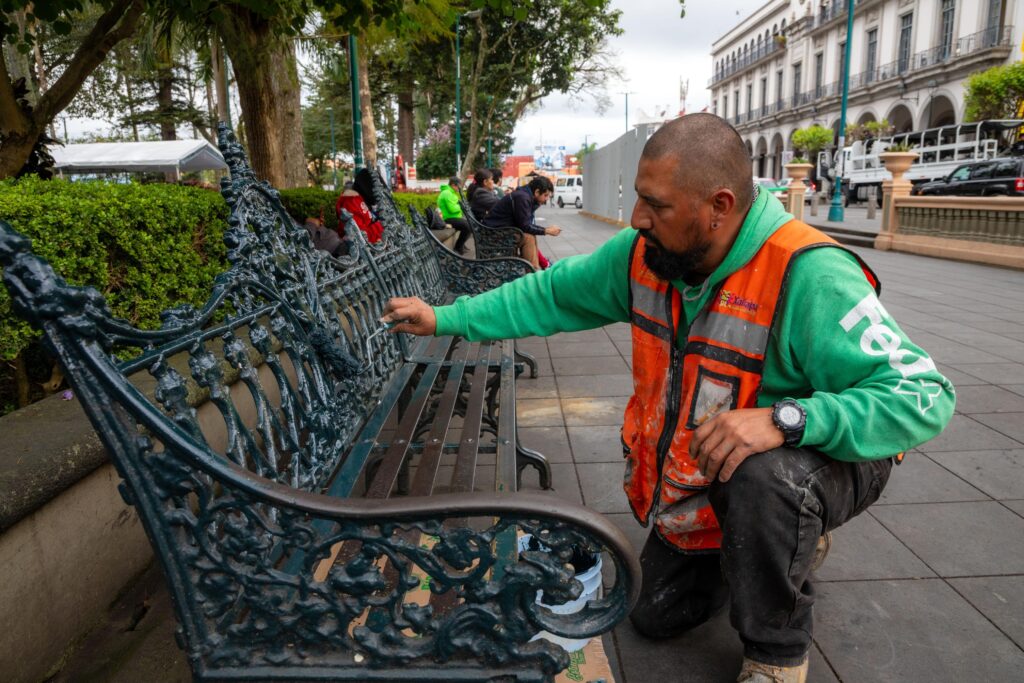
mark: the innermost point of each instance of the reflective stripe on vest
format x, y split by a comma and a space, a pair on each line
718, 369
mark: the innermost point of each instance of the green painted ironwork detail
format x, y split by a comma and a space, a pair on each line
241, 529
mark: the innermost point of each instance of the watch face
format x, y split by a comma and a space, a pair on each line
789, 415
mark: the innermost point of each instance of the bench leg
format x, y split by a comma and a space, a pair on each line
523, 357
529, 457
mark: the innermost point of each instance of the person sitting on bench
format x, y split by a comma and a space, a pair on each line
519, 209
451, 212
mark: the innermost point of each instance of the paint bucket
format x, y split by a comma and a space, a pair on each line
590, 577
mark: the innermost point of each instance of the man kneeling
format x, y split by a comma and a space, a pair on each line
771, 387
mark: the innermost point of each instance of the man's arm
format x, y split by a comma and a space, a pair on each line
576, 293
872, 392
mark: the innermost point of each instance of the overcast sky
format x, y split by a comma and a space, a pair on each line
656, 49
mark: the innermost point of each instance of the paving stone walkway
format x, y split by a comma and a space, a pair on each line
926, 586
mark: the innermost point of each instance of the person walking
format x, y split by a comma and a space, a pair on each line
772, 390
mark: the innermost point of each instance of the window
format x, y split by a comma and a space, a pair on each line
1005, 169
842, 60
714, 107
872, 54
725, 106
764, 96
778, 88
750, 97
560, 182
995, 15
982, 171
819, 73
736, 103
946, 37
797, 79
961, 173
906, 27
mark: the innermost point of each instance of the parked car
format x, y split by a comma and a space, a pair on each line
784, 184
569, 190
769, 184
994, 177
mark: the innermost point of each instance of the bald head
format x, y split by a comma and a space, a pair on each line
711, 156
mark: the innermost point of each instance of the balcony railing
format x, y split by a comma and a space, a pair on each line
767, 49
968, 45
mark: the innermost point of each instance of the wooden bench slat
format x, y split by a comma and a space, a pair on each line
430, 459
464, 476
505, 465
398, 449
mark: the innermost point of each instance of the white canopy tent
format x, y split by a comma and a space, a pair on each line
165, 156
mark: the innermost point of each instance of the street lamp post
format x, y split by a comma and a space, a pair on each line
627, 94
334, 154
835, 211
357, 114
458, 80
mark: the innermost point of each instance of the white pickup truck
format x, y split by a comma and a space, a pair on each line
940, 151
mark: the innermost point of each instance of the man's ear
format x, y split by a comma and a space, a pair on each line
723, 202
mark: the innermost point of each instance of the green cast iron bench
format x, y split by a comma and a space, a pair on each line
491, 242
350, 510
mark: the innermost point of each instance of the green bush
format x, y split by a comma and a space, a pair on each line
436, 160
145, 247
303, 202
417, 202
308, 201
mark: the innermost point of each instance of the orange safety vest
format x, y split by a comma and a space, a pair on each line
675, 390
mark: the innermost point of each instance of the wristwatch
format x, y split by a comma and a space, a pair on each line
791, 418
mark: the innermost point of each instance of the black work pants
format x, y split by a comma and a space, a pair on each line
465, 232
772, 512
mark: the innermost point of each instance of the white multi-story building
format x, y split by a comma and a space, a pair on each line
780, 69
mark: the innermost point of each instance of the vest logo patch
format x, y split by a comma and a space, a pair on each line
735, 302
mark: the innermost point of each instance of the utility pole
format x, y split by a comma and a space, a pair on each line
627, 94
334, 154
357, 115
835, 210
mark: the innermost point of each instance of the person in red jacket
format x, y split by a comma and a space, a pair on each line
352, 201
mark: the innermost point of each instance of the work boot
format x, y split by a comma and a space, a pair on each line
821, 552
758, 672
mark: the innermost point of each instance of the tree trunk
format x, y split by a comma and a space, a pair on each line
220, 78
469, 163
165, 103
366, 108
406, 122
268, 89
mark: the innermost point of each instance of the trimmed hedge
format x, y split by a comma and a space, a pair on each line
145, 247
303, 202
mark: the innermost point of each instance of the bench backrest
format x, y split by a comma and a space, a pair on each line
284, 348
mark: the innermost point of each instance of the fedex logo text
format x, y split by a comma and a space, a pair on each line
880, 340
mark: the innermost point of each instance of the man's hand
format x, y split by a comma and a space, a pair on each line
727, 439
412, 315
552, 231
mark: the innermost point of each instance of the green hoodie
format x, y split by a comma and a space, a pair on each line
869, 392
448, 203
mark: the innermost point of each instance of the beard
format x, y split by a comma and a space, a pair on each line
670, 265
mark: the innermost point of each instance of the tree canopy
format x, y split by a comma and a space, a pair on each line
997, 93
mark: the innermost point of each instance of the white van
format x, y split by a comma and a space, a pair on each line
569, 190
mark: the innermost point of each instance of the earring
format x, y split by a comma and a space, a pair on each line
714, 225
